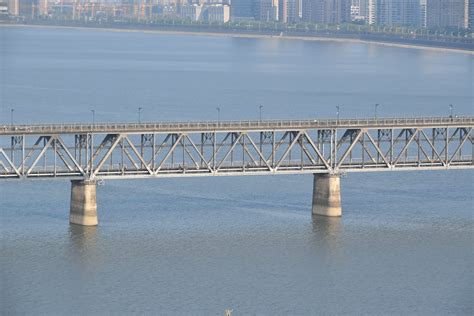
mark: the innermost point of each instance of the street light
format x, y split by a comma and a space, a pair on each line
337, 112
93, 117
376, 107
140, 115
451, 108
11, 116
218, 115
260, 108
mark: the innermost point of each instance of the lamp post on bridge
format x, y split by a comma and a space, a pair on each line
376, 108
93, 117
260, 108
337, 112
11, 116
140, 115
218, 115
451, 109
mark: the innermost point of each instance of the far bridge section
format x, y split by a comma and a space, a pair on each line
87, 153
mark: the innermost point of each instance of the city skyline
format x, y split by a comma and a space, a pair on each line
417, 13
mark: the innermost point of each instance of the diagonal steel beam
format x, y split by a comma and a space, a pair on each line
160, 148
169, 153
58, 152
364, 147
115, 142
259, 153
246, 149
199, 153
229, 152
10, 162
316, 149
460, 145
127, 153
68, 153
349, 150
186, 149
42, 152
30, 153
441, 160
414, 132
288, 149
134, 149
377, 148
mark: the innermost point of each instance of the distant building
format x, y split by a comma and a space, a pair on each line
3, 10
470, 22
327, 11
398, 12
423, 13
217, 13
358, 10
371, 12
447, 13
25, 8
13, 7
268, 10
191, 12
242, 10
43, 7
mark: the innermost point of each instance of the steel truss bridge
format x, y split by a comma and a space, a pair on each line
154, 150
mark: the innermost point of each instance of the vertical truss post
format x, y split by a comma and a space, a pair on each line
446, 148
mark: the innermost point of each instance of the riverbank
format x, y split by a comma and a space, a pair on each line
263, 35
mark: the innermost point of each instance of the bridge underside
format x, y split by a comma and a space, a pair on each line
96, 156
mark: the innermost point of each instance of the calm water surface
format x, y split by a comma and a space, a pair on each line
199, 246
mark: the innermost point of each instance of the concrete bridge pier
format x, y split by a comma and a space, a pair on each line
327, 195
83, 209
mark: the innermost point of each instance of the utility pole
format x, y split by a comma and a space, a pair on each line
140, 115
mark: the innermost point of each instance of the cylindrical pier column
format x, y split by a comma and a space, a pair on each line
327, 195
83, 203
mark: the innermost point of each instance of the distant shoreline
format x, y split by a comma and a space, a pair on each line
248, 35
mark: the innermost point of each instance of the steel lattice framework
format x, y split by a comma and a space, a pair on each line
149, 150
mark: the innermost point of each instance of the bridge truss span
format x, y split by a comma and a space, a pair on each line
91, 152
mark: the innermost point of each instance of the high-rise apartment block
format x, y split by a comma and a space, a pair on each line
327, 11
217, 13
268, 10
447, 13
470, 15
398, 12
419, 13
242, 10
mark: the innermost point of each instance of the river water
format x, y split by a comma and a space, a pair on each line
201, 246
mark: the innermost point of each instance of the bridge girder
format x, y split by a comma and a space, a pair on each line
99, 155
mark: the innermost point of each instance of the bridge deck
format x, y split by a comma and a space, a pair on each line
167, 127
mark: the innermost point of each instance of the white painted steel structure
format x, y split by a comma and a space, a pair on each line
173, 149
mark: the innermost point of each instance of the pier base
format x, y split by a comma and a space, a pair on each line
83, 209
327, 195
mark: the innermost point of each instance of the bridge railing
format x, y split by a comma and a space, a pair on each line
226, 125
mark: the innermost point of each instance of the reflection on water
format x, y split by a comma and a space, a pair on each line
83, 246
327, 233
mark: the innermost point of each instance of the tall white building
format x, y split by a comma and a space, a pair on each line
371, 16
